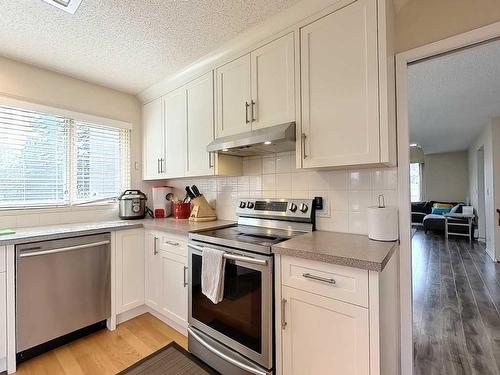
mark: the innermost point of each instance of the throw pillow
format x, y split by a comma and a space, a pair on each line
440, 211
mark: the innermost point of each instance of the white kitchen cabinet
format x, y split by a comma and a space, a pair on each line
326, 325
129, 268
343, 105
324, 336
175, 133
200, 125
167, 275
174, 295
233, 97
3, 320
258, 89
153, 137
153, 270
273, 83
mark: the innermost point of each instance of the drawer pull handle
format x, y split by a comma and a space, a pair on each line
173, 243
185, 281
319, 278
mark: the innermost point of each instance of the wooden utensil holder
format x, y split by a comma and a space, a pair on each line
201, 210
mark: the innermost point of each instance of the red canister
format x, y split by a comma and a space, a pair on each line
181, 210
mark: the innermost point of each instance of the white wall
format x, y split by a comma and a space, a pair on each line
421, 22
446, 176
489, 139
347, 193
32, 84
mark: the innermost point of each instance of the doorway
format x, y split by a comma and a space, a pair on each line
477, 362
481, 221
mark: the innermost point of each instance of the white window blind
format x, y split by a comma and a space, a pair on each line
50, 160
101, 162
33, 158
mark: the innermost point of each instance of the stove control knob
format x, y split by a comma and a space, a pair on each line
250, 205
303, 207
293, 207
242, 204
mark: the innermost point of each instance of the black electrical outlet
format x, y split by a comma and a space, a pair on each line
318, 203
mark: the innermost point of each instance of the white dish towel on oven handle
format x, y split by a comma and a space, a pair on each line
212, 274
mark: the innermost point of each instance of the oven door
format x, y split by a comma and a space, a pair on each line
243, 320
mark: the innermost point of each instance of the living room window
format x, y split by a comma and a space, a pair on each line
416, 182
49, 160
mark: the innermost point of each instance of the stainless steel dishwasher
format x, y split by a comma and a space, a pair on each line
62, 286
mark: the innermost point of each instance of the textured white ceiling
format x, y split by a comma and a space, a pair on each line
124, 44
453, 96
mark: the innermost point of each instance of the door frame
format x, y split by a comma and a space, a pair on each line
464, 40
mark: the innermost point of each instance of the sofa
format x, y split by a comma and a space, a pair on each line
421, 215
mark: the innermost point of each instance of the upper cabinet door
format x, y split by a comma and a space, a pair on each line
200, 125
233, 97
339, 88
153, 139
273, 83
175, 133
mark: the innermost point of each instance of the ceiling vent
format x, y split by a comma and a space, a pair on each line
69, 6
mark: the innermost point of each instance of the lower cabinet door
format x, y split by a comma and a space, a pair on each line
323, 335
3, 319
153, 270
174, 296
129, 269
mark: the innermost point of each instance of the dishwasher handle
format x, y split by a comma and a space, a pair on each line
63, 249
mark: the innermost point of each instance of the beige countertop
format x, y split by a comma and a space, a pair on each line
344, 249
50, 232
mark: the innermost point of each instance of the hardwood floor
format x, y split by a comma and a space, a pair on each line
106, 352
456, 302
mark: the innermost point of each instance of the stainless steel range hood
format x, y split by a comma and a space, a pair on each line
278, 138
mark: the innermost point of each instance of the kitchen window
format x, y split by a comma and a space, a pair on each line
52, 160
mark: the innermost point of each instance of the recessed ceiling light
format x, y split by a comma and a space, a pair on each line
267, 142
69, 6
224, 150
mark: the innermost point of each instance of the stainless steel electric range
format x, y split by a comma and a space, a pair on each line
236, 336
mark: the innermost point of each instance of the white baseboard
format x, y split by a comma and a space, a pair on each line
135, 312
130, 314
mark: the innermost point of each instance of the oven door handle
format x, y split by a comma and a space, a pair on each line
225, 357
241, 258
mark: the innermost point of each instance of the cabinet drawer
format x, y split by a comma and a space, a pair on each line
2, 258
342, 283
173, 244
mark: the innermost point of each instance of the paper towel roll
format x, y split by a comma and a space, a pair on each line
383, 223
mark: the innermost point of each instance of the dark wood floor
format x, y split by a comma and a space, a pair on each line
456, 302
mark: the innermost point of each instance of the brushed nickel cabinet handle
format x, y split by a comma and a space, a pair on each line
155, 246
210, 165
283, 316
246, 112
158, 165
253, 111
303, 137
319, 278
173, 243
185, 281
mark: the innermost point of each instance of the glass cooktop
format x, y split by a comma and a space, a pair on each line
243, 236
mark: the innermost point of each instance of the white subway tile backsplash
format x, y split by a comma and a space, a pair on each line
284, 181
339, 200
360, 180
346, 193
269, 182
268, 165
359, 200
300, 181
284, 163
357, 222
339, 180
